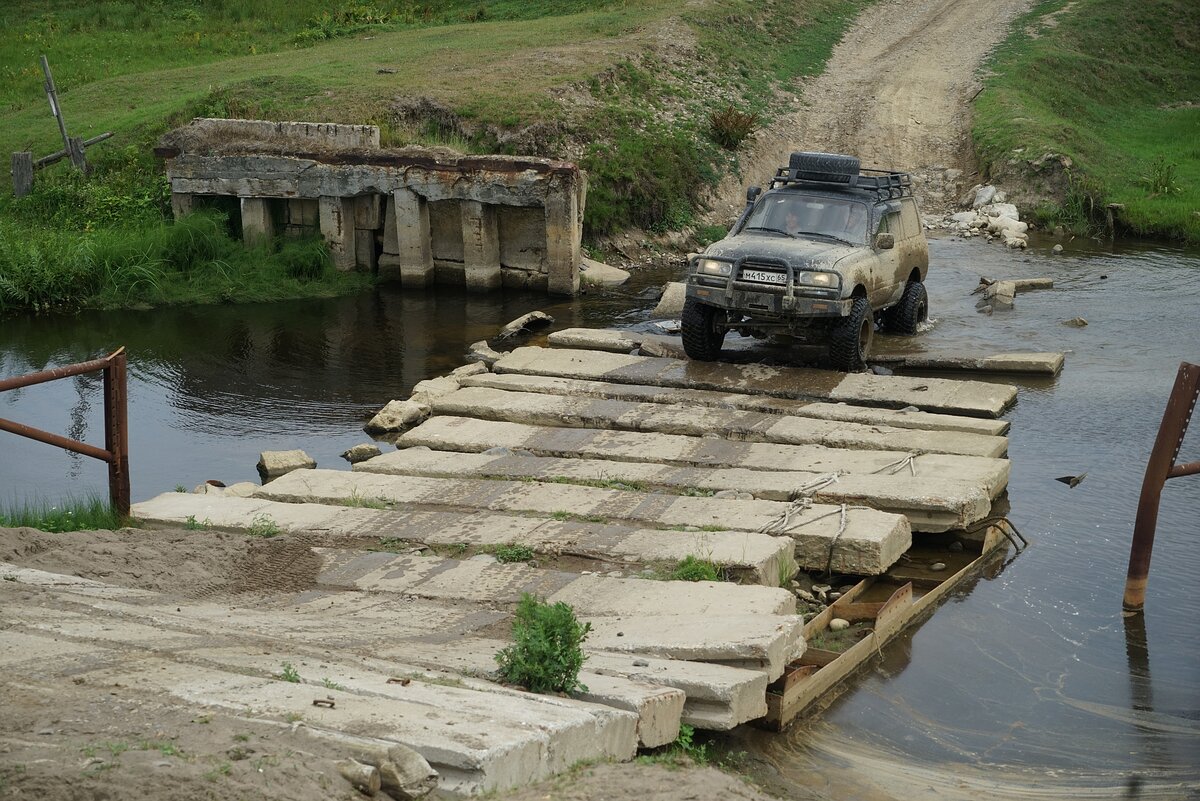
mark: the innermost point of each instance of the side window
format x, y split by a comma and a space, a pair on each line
908, 214
890, 224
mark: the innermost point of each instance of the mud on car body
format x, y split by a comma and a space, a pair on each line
829, 251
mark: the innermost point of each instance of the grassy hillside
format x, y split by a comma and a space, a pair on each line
1116, 89
652, 97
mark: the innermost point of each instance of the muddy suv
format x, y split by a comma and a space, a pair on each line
826, 253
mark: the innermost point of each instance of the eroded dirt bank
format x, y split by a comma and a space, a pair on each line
897, 93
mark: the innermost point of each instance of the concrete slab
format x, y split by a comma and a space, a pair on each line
491, 583
715, 697
475, 436
745, 426
719, 697
753, 642
749, 557
930, 504
863, 542
1026, 363
970, 398
896, 418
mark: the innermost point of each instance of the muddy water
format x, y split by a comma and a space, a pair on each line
1026, 685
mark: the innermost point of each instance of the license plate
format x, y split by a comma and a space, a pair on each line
764, 277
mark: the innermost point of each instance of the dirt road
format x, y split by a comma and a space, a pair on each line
897, 93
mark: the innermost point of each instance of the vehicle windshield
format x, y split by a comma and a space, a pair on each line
801, 215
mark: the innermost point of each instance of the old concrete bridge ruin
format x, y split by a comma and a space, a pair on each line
415, 215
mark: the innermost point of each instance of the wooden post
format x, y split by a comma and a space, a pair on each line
75, 152
116, 431
52, 96
22, 173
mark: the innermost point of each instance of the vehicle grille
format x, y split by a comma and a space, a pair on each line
770, 267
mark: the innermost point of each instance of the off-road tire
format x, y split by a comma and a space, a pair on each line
701, 337
910, 312
850, 340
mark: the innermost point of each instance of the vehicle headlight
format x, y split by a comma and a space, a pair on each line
830, 280
714, 267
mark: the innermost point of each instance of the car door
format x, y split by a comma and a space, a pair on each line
883, 286
913, 250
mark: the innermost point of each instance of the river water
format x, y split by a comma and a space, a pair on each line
1028, 684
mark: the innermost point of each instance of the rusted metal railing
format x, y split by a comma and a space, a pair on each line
116, 422
1160, 467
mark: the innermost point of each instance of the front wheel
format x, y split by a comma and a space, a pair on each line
702, 337
910, 312
850, 340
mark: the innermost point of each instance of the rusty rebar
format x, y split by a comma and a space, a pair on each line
1160, 467
116, 421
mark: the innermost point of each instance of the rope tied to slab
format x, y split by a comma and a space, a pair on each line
799, 499
908, 460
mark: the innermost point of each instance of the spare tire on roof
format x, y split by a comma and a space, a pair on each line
830, 167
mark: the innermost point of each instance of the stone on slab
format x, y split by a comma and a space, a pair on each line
397, 415
273, 464
482, 352
361, 452
533, 321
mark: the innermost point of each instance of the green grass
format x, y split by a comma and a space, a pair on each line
87, 514
1116, 93
693, 568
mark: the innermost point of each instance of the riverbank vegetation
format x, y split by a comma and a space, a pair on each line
1116, 91
652, 97
91, 513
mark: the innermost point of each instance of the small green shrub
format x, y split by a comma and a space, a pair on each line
1161, 179
512, 553
289, 673
729, 127
694, 569
263, 526
547, 653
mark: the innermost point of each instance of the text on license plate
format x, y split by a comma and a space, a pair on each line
764, 276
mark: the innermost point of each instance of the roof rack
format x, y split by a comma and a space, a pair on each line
885, 183
842, 172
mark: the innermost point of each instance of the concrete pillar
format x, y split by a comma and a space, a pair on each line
564, 232
257, 226
481, 246
415, 258
337, 226
182, 204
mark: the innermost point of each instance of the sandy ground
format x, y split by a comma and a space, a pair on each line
897, 93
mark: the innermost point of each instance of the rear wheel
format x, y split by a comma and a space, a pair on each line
850, 340
702, 337
910, 312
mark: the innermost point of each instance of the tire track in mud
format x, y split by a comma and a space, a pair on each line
896, 92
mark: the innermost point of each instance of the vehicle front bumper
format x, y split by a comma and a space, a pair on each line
749, 299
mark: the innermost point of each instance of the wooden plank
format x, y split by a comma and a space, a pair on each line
802, 687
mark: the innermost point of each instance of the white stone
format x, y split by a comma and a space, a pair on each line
273, 464
670, 305
398, 415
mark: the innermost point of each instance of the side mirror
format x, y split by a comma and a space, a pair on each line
885, 241
752, 193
